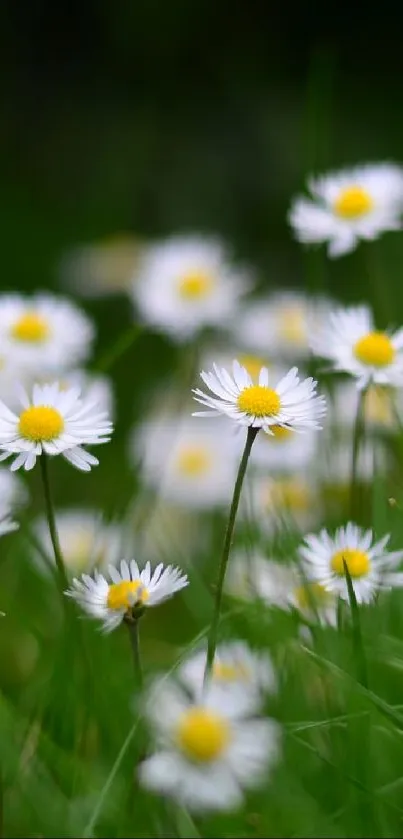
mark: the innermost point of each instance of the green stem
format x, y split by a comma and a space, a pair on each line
50, 515
212, 637
118, 349
357, 635
358, 433
133, 627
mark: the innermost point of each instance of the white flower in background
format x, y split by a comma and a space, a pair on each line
371, 567
190, 464
102, 268
352, 344
52, 422
186, 283
129, 590
380, 406
236, 669
13, 493
43, 332
290, 403
208, 751
335, 464
86, 540
284, 450
280, 324
349, 205
272, 502
7, 524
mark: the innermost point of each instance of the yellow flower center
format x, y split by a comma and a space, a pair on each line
292, 326
357, 562
311, 595
31, 328
229, 672
253, 364
125, 594
259, 401
193, 461
280, 433
40, 423
378, 405
376, 349
353, 202
292, 494
202, 734
195, 285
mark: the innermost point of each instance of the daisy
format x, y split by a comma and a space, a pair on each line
291, 403
186, 283
293, 498
7, 524
236, 668
352, 344
284, 451
190, 464
129, 592
380, 405
349, 205
280, 324
52, 422
86, 540
208, 751
370, 565
43, 332
102, 268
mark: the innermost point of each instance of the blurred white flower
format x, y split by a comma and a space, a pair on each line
101, 268
280, 324
334, 466
13, 493
86, 540
352, 345
284, 451
379, 410
208, 751
186, 283
43, 333
188, 462
271, 502
370, 566
352, 204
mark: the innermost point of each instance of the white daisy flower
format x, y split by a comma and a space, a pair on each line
129, 591
208, 751
189, 463
270, 502
370, 565
186, 283
94, 387
236, 668
280, 324
284, 450
380, 406
349, 205
102, 268
86, 540
52, 422
43, 332
291, 403
352, 344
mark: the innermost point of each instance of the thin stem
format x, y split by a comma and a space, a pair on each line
124, 343
212, 637
133, 627
357, 635
358, 433
50, 515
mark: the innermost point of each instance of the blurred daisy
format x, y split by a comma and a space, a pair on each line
349, 205
280, 325
101, 268
186, 283
190, 464
371, 567
334, 466
284, 450
291, 403
86, 540
52, 422
130, 591
352, 344
13, 493
379, 410
236, 668
208, 751
43, 332
7, 524
291, 498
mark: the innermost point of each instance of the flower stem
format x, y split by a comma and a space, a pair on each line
121, 346
212, 637
358, 433
133, 627
50, 515
357, 635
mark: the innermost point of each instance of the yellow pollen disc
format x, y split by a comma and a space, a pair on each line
195, 285
280, 433
31, 328
193, 461
123, 595
357, 562
40, 423
378, 405
203, 735
291, 494
292, 326
259, 401
253, 364
311, 595
353, 202
376, 349
229, 672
